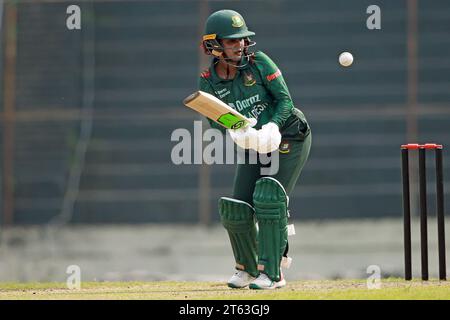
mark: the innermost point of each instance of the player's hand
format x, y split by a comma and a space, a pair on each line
269, 138
246, 138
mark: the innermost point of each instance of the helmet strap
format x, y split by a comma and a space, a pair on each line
237, 64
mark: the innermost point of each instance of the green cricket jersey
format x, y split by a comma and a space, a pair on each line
258, 91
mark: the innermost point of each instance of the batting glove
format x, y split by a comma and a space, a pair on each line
269, 138
246, 138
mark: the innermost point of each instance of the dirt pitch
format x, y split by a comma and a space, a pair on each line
325, 289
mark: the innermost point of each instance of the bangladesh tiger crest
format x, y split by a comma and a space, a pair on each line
249, 80
237, 22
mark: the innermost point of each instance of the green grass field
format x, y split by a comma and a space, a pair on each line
330, 289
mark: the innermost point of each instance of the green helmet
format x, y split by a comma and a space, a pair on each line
226, 24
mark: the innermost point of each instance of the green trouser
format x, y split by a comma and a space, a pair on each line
270, 211
291, 163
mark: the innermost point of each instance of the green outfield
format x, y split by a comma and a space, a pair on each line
171, 290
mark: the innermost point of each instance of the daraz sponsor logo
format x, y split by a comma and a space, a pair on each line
240, 105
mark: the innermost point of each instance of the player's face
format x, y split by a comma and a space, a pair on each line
234, 48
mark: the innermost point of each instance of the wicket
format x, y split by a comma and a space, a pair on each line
423, 209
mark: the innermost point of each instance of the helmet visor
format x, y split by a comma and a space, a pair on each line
242, 34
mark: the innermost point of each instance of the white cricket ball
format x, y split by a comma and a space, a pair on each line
346, 59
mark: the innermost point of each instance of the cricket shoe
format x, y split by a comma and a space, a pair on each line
240, 279
264, 282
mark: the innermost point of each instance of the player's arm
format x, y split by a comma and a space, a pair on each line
274, 82
205, 86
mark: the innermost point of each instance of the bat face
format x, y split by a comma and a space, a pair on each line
231, 121
216, 110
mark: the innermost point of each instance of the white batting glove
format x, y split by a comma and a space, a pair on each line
269, 138
246, 138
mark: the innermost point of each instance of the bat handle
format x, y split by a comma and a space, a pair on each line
252, 122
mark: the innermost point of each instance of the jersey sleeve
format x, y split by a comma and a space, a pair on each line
274, 82
205, 86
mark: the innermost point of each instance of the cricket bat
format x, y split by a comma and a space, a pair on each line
217, 110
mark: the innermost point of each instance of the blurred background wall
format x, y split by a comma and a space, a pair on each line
86, 129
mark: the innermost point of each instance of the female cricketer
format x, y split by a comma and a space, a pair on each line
256, 216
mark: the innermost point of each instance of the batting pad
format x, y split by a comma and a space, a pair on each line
238, 218
270, 201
